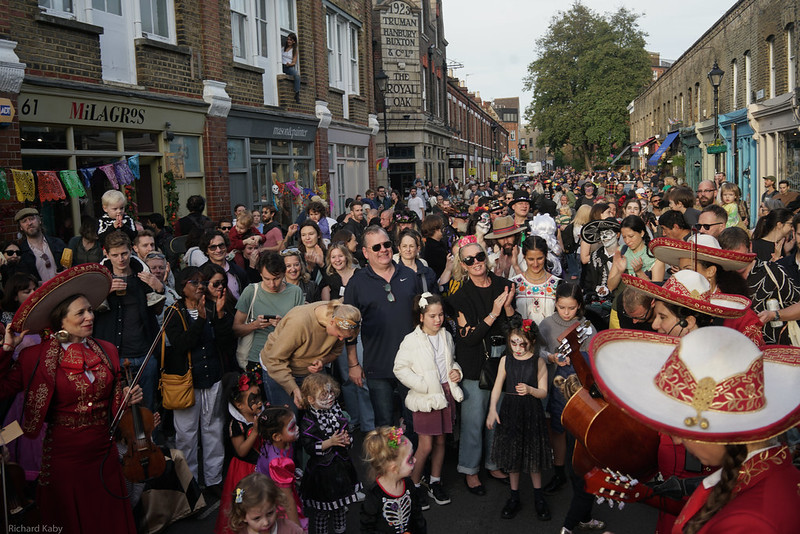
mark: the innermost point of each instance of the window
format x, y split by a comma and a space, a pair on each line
734, 84
109, 6
771, 54
189, 148
512, 135
63, 6
697, 93
691, 114
287, 16
791, 55
239, 28
157, 18
748, 80
342, 42
262, 27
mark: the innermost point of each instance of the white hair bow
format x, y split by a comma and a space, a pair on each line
423, 299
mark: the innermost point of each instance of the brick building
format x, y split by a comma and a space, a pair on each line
479, 139
195, 87
508, 111
529, 140
755, 44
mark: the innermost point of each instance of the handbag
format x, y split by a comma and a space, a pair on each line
177, 391
488, 374
792, 327
246, 342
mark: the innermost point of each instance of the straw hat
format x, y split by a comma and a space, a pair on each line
712, 385
703, 246
504, 227
89, 279
691, 290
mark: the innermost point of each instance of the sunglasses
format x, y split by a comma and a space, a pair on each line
197, 283
155, 255
480, 257
294, 251
389, 295
377, 247
217, 284
46, 260
706, 227
12, 252
217, 247
225, 228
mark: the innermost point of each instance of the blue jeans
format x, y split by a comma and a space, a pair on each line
475, 437
292, 71
148, 381
275, 393
356, 399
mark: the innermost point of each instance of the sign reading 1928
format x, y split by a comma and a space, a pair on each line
399, 34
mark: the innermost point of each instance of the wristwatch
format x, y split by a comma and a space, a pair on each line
777, 315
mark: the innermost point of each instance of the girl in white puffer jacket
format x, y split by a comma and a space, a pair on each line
425, 364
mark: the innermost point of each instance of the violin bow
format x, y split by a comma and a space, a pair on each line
121, 409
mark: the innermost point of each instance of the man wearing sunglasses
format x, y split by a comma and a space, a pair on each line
712, 220
383, 292
41, 255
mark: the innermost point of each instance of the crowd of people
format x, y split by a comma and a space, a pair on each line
410, 322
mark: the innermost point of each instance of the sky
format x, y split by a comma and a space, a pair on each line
496, 45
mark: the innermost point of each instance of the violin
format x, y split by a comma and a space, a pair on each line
605, 435
17, 507
143, 460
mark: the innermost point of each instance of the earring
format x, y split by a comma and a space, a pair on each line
62, 336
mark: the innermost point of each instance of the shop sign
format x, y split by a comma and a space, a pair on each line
455, 163
6, 111
473, 171
717, 149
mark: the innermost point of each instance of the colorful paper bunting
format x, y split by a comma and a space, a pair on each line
292, 187
72, 183
108, 170
25, 185
5, 194
50, 186
87, 173
123, 172
133, 163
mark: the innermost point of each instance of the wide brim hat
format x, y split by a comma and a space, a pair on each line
504, 227
520, 196
691, 290
89, 279
590, 232
702, 246
712, 385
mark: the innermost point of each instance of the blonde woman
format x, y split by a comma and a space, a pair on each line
339, 268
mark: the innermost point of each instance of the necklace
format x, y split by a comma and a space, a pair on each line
435, 344
541, 278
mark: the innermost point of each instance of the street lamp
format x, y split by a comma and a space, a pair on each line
381, 79
715, 77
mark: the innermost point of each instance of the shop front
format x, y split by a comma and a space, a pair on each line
348, 168
270, 161
693, 154
775, 126
65, 129
741, 159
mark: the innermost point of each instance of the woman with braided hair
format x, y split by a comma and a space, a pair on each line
726, 400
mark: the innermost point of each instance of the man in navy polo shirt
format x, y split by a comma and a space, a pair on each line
383, 292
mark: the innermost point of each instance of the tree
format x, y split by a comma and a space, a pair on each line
588, 68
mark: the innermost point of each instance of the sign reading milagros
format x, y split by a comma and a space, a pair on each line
399, 33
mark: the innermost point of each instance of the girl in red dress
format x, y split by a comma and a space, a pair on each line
244, 406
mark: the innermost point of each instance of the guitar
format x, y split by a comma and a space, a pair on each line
605, 435
614, 487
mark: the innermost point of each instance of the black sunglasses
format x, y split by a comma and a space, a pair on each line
377, 247
706, 227
225, 228
218, 283
11, 252
470, 260
197, 283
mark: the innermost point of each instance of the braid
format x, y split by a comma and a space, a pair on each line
723, 491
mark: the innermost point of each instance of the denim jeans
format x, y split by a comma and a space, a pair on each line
356, 399
475, 437
292, 71
148, 381
275, 392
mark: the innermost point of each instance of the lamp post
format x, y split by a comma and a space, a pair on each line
715, 77
381, 79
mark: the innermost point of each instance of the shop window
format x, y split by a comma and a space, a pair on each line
140, 141
280, 148
92, 139
401, 152
299, 149
43, 137
259, 146
189, 148
236, 158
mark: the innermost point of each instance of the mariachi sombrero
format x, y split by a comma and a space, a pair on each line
590, 232
691, 290
712, 385
89, 279
702, 246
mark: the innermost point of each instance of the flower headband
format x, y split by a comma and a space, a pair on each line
423, 300
346, 324
467, 240
395, 437
246, 381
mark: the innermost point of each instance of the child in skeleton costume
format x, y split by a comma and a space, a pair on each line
391, 505
330, 481
604, 231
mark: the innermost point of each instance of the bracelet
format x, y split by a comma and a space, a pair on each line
492, 315
355, 365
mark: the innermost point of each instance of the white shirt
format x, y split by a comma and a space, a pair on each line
418, 205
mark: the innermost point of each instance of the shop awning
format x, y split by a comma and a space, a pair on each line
637, 146
613, 161
663, 148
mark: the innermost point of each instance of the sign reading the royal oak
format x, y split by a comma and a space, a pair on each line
399, 34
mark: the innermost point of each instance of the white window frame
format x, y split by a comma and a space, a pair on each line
57, 10
748, 79
771, 55
170, 12
342, 35
242, 10
791, 58
734, 84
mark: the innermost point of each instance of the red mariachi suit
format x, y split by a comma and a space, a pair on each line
766, 499
71, 494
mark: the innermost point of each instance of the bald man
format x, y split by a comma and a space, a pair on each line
706, 193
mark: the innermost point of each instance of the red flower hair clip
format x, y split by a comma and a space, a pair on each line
248, 380
526, 325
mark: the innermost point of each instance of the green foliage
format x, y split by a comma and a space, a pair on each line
172, 201
589, 67
523, 154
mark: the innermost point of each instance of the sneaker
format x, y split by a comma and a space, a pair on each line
594, 524
437, 493
422, 497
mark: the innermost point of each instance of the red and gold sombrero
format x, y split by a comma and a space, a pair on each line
712, 385
691, 290
89, 279
702, 246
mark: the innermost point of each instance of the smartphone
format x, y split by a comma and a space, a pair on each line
268, 317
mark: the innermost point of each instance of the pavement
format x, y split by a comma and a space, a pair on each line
468, 514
